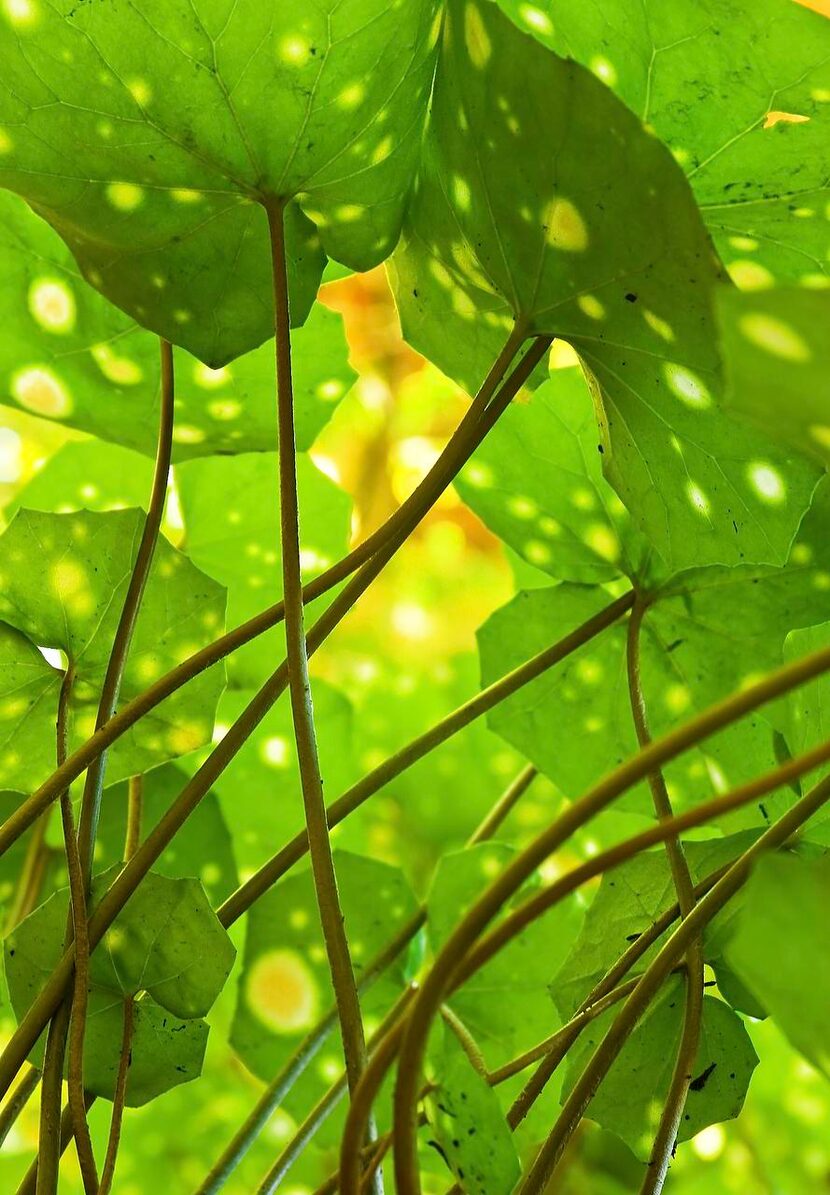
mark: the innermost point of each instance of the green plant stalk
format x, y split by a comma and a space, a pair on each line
114, 675
120, 1095
458, 450
52, 1078
46, 1003
299, 684
306, 1051
533, 908
267, 875
536, 1084
659, 752
328, 1103
18, 1100
135, 802
652, 978
661, 1154
29, 1182
279, 1087
699, 815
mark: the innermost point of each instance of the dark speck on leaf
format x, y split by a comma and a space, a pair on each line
632, 937
631, 297
703, 1078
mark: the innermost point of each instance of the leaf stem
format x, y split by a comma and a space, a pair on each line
504, 886
135, 804
111, 687
690, 927
299, 685
119, 1097
267, 875
663, 1147
279, 1087
50, 1103
18, 1100
462, 444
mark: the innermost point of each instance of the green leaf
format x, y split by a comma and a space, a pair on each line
167, 126
72, 602
739, 94
780, 948
473, 1136
232, 531
630, 1100
259, 792
507, 232
202, 847
68, 355
285, 987
537, 483
166, 942
86, 475
505, 1005
778, 364
629, 900
706, 633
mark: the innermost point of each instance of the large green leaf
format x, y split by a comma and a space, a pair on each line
473, 1136
630, 1099
68, 355
72, 602
167, 943
781, 949
778, 364
739, 93
499, 231
231, 517
285, 986
150, 135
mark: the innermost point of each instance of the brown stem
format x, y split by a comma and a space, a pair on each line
259, 883
135, 804
299, 685
119, 1098
663, 1147
110, 905
689, 928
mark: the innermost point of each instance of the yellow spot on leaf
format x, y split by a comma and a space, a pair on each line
564, 227
52, 304
776, 117
38, 390
125, 196
476, 37
282, 992
774, 336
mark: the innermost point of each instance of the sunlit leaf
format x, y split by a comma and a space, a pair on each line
285, 987
739, 94
68, 355
166, 942
630, 1100
71, 603
637, 308
781, 951
168, 126
778, 364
